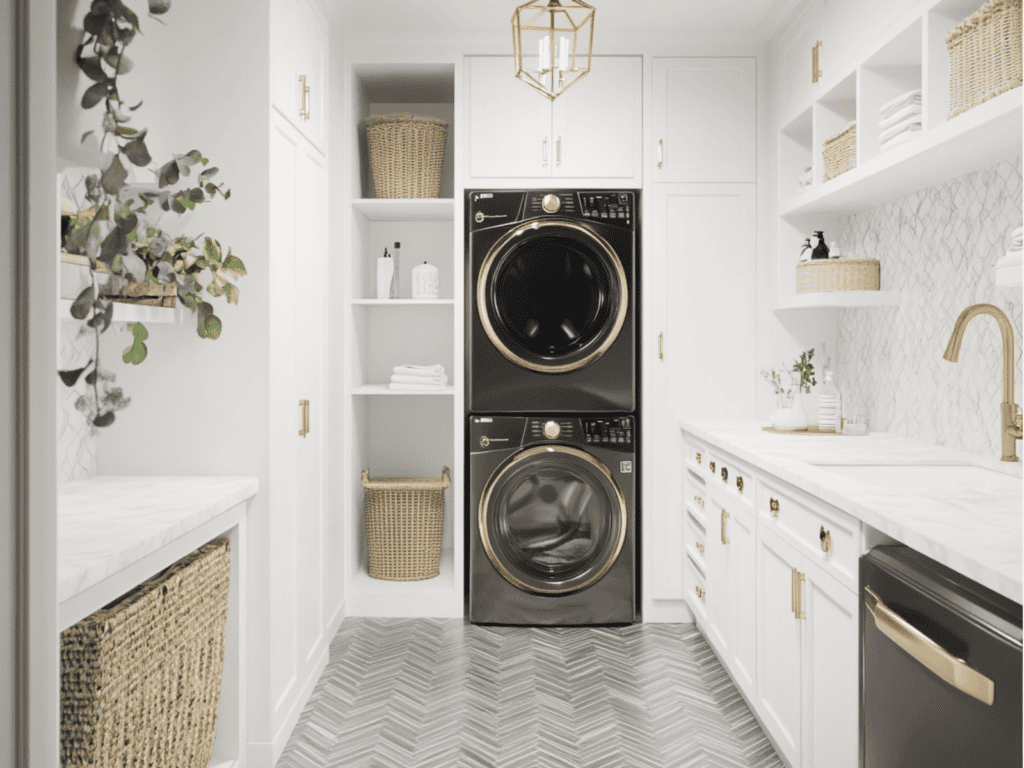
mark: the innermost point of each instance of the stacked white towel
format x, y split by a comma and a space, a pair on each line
806, 178
900, 119
418, 378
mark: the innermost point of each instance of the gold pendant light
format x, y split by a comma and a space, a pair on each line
554, 44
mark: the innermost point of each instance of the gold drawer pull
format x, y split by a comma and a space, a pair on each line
796, 594
936, 658
725, 536
304, 111
700, 548
739, 484
711, 466
699, 500
700, 592
304, 405
725, 474
826, 540
816, 62
698, 457
773, 505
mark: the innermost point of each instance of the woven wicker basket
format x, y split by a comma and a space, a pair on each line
404, 522
984, 55
841, 152
140, 678
406, 154
822, 275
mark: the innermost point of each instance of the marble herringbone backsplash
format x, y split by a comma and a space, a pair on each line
939, 247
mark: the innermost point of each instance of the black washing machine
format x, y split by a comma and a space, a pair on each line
551, 301
551, 520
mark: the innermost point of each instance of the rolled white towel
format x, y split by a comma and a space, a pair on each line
401, 387
441, 380
419, 370
891, 106
899, 116
902, 138
910, 124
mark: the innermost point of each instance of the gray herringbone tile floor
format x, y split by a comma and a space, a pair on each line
422, 693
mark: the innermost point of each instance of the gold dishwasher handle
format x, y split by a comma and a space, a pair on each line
936, 658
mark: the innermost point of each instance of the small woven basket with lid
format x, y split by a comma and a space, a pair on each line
984, 55
404, 525
406, 154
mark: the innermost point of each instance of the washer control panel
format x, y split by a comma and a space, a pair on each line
505, 433
617, 431
550, 429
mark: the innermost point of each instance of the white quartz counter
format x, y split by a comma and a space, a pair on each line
105, 524
973, 530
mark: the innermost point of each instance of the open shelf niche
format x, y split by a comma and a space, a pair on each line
402, 433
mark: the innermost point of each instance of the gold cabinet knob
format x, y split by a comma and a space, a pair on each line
699, 501
698, 457
551, 203
700, 548
773, 505
725, 474
711, 466
739, 484
826, 540
700, 592
552, 430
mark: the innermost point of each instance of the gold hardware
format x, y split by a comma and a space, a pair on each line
304, 405
519, 234
725, 536
571, 20
950, 669
551, 203
816, 62
700, 548
700, 592
826, 540
552, 430
558, 151
1010, 429
304, 112
698, 457
725, 474
661, 153
485, 441
711, 466
661, 346
773, 505
699, 500
544, 151
739, 484
796, 596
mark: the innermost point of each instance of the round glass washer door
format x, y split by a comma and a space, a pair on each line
552, 296
552, 519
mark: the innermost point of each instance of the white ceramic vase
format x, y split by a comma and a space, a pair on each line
794, 417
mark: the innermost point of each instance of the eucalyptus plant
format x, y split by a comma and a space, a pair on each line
120, 232
804, 368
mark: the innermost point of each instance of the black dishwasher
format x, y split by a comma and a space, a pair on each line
940, 663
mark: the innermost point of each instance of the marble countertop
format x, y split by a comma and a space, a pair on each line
973, 530
104, 524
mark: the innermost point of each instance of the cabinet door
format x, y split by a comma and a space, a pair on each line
311, 45
742, 531
284, 85
793, 85
509, 122
830, 692
779, 644
705, 127
719, 583
596, 122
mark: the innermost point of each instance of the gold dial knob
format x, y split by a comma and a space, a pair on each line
552, 430
551, 203
485, 441
479, 217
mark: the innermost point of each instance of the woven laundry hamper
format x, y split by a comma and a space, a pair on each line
840, 152
984, 55
404, 524
406, 154
140, 678
823, 275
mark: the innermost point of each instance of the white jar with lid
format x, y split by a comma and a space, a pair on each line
425, 281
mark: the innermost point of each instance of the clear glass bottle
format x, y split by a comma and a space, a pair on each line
830, 406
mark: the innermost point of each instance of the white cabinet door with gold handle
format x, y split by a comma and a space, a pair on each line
719, 583
298, 67
743, 594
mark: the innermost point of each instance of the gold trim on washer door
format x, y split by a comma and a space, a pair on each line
481, 296
485, 502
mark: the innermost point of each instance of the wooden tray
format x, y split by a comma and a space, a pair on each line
813, 430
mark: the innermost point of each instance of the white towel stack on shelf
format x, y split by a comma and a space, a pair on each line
900, 119
1008, 268
418, 378
806, 178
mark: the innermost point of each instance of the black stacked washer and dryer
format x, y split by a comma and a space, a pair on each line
552, 396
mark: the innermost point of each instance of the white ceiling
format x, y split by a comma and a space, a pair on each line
495, 15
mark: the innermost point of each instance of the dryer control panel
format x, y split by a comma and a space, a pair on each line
607, 206
613, 431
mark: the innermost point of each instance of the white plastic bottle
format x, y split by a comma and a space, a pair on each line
830, 406
385, 276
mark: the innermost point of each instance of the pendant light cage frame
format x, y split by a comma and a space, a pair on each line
549, 22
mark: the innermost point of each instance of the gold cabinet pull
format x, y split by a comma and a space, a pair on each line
304, 405
826, 540
699, 501
661, 153
661, 347
773, 505
796, 594
304, 112
725, 536
936, 658
711, 466
700, 592
739, 484
816, 62
698, 457
700, 548
558, 151
544, 152
725, 474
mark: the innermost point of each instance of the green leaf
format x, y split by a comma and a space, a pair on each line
70, 378
125, 131
169, 174
134, 266
86, 135
122, 63
209, 326
209, 173
102, 316
227, 195
137, 152
156, 7
115, 176
128, 14
184, 200
196, 157
80, 307
128, 223
211, 188
113, 244
104, 419
234, 267
92, 69
95, 23
94, 94
212, 249
196, 195
135, 107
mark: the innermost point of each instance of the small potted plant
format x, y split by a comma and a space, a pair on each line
790, 413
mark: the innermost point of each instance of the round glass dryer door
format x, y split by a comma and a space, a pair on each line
552, 296
552, 519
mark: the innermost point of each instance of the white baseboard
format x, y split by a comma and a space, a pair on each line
667, 612
334, 623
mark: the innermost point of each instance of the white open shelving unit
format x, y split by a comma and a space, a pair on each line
132, 313
402, 433
913, 55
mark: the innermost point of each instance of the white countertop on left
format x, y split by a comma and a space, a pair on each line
105, 524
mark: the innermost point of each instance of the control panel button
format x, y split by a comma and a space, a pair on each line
551, 203
552, 430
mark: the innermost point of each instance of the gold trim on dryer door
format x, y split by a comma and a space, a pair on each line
485, 501
481, 295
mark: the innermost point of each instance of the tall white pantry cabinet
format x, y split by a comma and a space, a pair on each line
301, 593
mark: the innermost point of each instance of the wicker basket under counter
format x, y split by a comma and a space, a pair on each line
404, 525
985, 55
840, 153
406, 154
843, 274
140, 678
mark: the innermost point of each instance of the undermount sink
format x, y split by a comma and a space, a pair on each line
925, 476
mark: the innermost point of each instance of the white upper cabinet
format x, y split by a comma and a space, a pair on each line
705, 124
591, 131
298, 77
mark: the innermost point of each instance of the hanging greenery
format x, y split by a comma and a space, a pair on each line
119, 232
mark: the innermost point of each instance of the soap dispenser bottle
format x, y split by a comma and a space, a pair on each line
385, 275
820, 250
830, 406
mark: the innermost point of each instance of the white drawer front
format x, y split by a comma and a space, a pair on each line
732, 476
829, 536
693, 584
696, 454
695, 536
